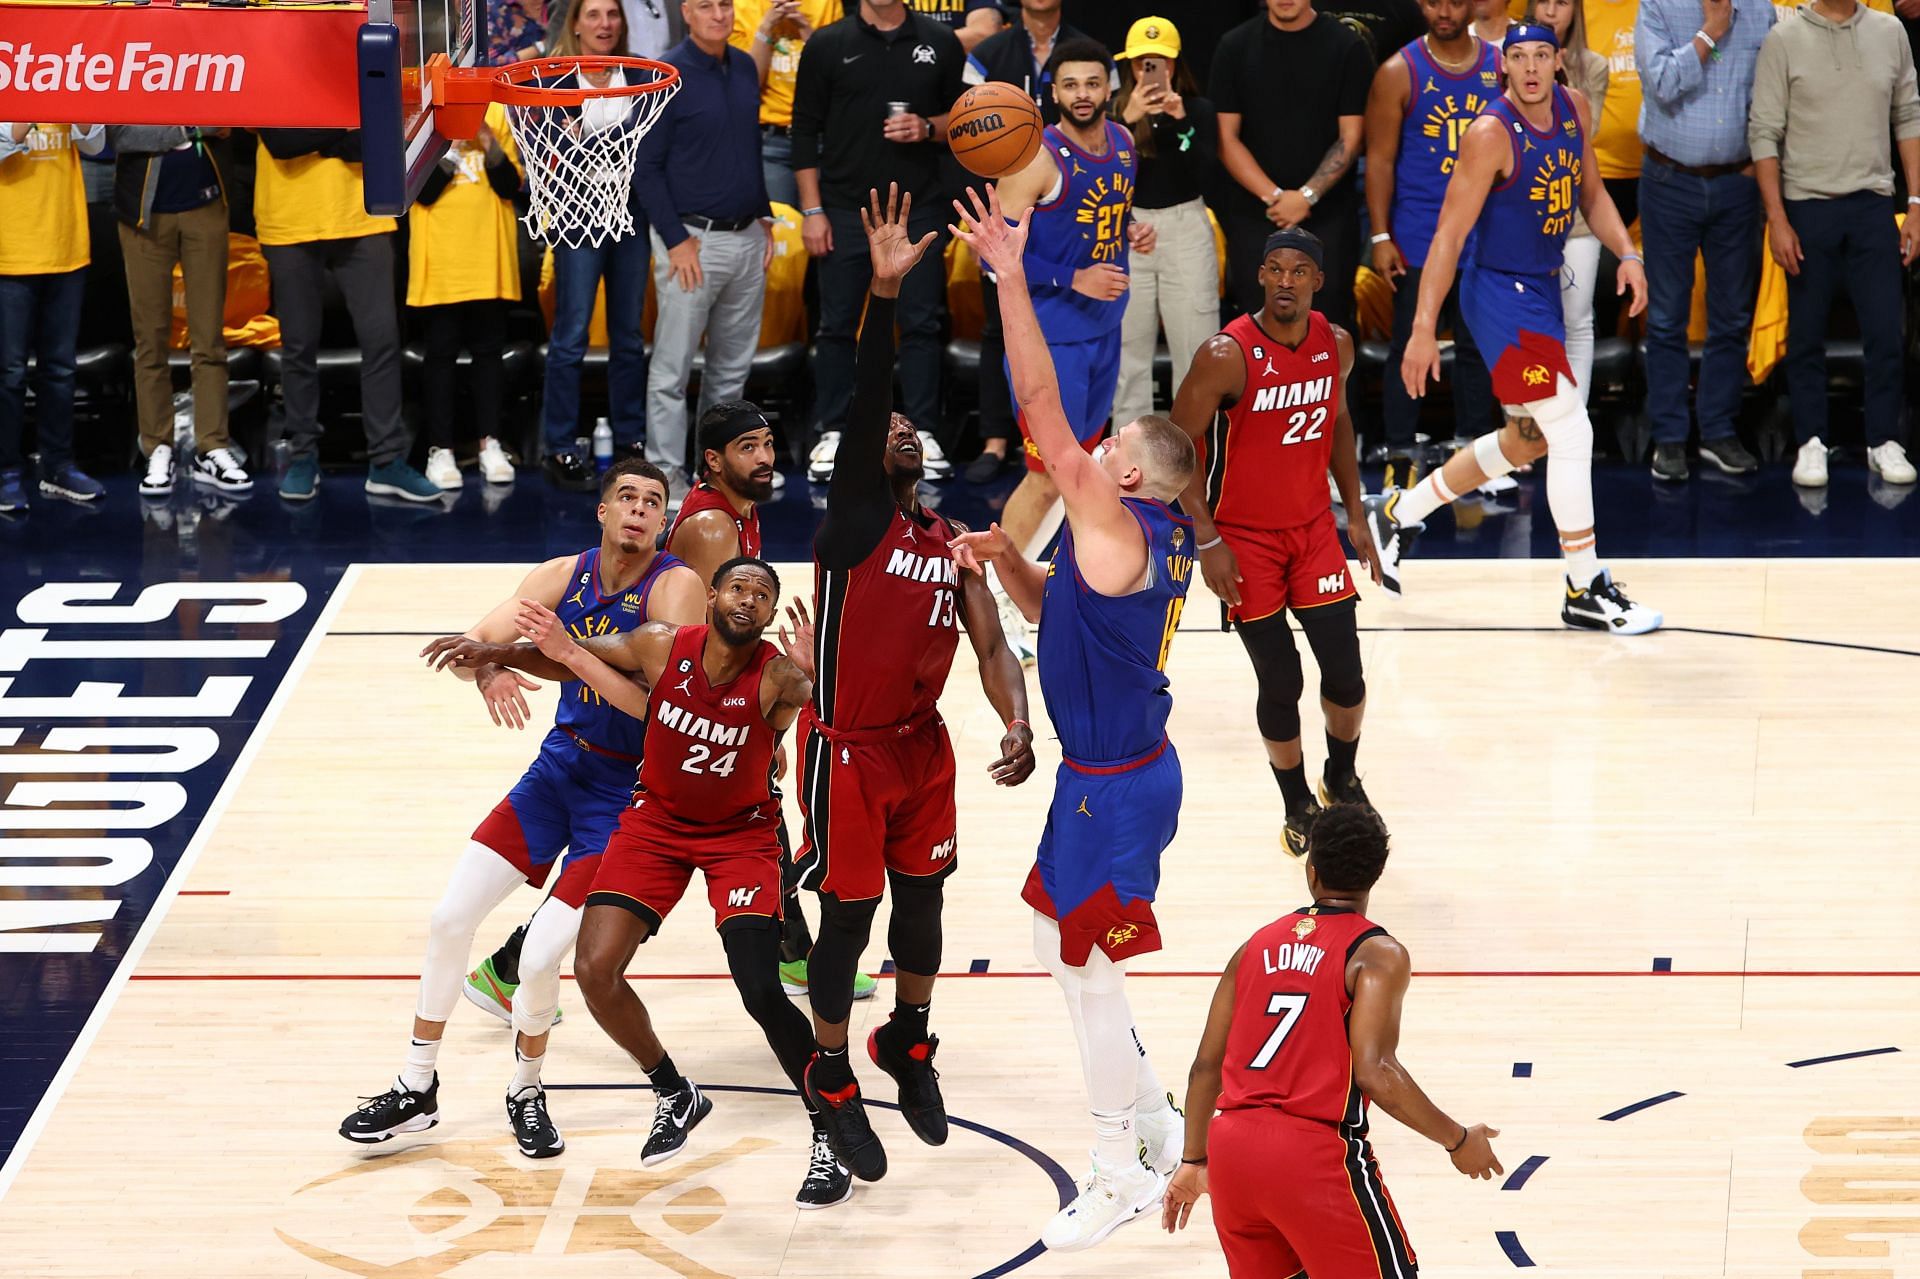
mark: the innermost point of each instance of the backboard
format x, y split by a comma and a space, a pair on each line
400, 146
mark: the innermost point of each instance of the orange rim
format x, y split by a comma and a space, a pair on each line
512, 85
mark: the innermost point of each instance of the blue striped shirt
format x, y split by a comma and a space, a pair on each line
1694, 112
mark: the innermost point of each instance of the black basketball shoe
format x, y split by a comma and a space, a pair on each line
674, 1116
532, 1126
1348, 792
1603, 606
828, 1182
397, 1110
911, 1065
1293, 836
844, 1118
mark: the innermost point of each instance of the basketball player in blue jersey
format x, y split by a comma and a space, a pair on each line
1079, 188
1107, 607
559, 815
1526, 165
1422, 100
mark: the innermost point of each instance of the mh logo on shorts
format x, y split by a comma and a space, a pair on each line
1333, 583
742, 896
943, 849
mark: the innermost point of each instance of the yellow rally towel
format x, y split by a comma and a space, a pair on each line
1767, 344
246, 322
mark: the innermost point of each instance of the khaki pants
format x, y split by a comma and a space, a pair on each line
197, 240
1178, 285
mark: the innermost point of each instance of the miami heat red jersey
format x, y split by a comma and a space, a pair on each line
705, 497
886, 630
1267, 455
708, 758
1288, 1046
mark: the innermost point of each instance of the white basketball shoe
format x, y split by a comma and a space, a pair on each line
1110, 1197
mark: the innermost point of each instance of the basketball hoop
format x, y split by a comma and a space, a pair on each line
578, 144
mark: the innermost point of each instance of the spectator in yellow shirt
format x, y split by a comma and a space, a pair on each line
463, 269
43, 269
773, 32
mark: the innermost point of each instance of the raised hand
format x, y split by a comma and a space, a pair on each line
984, 229
893, 252
972, 551
797, 643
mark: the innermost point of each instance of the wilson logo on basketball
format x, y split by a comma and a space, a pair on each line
978, 126
134, 67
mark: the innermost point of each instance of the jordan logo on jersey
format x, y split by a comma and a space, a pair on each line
579, 596
1291, 395
1083, 811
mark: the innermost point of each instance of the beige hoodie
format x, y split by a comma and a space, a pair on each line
1823, 95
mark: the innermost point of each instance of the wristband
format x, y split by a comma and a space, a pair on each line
1208, 546
1465, 1132
1201, 1162
1021, 722
1383, 237
763, 37
1712, 47
1311, 196
1913, 199
815, 211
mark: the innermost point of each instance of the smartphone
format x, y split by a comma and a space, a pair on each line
1154, 74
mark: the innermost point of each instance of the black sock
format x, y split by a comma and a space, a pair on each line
506, 960
831, 1069
1293, 787
1340, 760
911, 1020
796, 939
665, 1078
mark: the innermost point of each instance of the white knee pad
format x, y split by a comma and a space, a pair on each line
1562, 419
549, 940
1488, 455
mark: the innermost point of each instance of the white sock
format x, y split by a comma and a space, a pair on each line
1151, 1098
1113, 1141
417, 1074
1583, 560
1422, 500
526, 1072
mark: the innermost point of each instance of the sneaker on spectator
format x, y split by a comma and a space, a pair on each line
397, 479
13, 489
301, 480
158, 481
933, 458
1889, 462
1730, 455
442, 470
1670, 462
494, 466
1810, 467
69, 481
220, 469
570, 471
820, 461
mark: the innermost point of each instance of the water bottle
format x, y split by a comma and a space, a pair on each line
602, 446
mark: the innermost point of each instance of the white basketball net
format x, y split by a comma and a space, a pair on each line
579, 162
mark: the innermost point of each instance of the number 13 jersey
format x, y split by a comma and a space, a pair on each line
887, 628
1287, 1048
1268, 452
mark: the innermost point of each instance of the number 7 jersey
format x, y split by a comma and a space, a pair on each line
1268, 452
1288, 1048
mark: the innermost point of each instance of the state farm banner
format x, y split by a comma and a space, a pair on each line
287, 68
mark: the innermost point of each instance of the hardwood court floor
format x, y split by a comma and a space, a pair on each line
1571, 814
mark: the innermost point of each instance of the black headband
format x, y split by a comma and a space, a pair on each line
1294, 238
719, 429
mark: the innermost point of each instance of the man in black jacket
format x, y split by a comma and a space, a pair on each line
847, 140
170, 189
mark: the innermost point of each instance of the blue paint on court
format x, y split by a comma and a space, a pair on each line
1639, 1106
1518, 1177
1821, 1061
1510, 1244
1662, 965
977, 966
1523, 1070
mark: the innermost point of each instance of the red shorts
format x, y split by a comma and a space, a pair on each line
873, 803
1293, 1197
1300, 567
651, 859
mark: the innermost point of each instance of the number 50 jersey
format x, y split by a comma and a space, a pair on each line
1268, 452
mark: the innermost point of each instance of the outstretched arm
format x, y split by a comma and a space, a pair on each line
1203, 1093
1002, 679
860, 502
1115, 545
1024, 581
1216, 378
641, 652
504, 691
1379, 972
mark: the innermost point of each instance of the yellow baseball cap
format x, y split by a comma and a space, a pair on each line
1152, 38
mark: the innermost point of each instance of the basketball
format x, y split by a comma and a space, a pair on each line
994, 129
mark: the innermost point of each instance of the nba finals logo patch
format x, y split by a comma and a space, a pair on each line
1179, 537
1304, 929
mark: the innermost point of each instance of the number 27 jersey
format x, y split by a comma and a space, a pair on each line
1267, 454
1288, 1048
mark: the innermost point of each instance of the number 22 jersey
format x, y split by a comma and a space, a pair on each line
1268, 453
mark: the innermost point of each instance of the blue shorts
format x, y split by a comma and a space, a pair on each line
1519, 326
1099, 861
564, 809
1089, 374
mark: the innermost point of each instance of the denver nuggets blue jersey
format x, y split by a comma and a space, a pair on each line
1103, 658
1523, 227
1439, 109
1084, 224
585, 610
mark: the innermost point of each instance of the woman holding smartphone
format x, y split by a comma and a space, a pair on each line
1178, 284
1583, 69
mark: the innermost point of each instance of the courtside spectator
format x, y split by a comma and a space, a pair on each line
699, 177
773, 32
516, 30
170, 193
1616, 131
1830, 79
310, 207
43, 273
